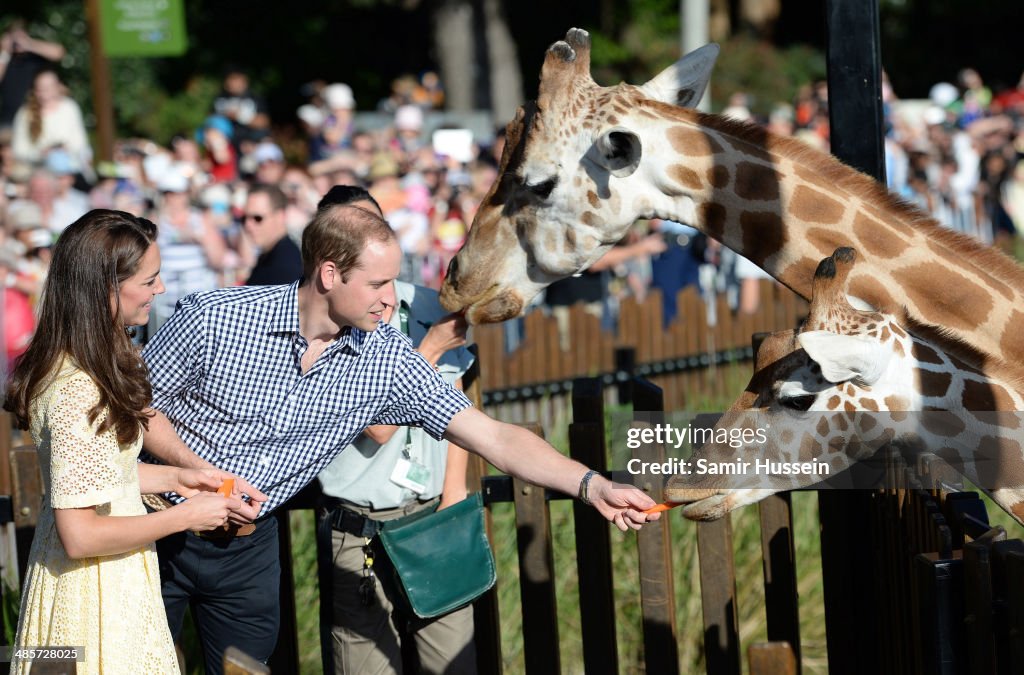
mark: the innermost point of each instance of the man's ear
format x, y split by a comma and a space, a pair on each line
327, 274
845, 357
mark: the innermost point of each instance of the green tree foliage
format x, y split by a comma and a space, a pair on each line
644, 39
143, 104
768, 74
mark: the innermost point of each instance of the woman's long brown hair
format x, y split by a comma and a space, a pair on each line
92, 257
35, 108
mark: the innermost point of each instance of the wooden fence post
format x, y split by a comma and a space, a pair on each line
778, 554
536, 577
772, 658
486, 620
718, 597
593, 541
654, 546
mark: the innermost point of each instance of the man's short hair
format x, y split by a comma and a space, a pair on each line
278, 200
340, 233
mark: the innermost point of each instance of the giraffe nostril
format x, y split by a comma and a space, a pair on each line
453, 272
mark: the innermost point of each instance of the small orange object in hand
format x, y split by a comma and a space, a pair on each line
658, 508
226, 487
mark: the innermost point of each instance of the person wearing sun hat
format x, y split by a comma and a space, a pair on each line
336, 131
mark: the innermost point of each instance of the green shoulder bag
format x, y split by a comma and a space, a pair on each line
442, 559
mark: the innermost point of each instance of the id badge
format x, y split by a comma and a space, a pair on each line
411, 475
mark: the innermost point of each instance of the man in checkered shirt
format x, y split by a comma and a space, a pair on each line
272, 382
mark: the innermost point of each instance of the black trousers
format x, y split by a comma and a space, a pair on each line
232, 587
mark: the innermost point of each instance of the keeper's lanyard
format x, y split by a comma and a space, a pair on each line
403, 318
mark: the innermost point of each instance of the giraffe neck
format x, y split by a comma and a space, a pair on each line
784, 205
950, 379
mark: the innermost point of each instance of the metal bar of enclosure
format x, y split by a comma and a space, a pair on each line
854, 62
855, 117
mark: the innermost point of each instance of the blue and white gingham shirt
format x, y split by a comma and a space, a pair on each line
226, 372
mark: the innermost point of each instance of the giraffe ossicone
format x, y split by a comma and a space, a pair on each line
585, 162
849, 382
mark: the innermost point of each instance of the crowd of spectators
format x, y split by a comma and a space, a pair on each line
957, 155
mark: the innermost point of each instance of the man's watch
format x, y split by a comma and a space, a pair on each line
584, 492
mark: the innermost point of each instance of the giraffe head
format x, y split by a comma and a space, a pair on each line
578, 143
807, 393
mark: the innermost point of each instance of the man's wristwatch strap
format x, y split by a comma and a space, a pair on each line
584, 492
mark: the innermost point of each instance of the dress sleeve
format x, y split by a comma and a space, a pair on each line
83, 466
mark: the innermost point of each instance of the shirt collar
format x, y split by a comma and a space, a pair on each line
285, 316
353, 338
285, 319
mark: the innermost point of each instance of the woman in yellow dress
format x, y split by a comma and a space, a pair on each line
81, 388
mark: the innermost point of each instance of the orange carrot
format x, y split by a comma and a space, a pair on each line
658, 508
226, 487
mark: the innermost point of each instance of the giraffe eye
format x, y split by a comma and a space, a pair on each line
543, 190
800, 403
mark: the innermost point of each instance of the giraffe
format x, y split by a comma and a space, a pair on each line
821, 394
584, 162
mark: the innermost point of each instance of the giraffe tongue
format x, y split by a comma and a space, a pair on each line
679, 495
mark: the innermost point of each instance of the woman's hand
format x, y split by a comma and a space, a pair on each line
194, 481
207, 510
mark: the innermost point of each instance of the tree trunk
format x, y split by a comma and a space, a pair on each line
454, 45
505, 77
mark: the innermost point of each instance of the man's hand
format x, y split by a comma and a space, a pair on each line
193, 481
210, 479
623, 505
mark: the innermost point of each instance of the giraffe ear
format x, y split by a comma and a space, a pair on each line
845, 357
618, 150
683, 82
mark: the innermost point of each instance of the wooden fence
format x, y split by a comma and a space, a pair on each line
532, 382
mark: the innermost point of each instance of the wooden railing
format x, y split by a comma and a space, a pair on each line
532, 382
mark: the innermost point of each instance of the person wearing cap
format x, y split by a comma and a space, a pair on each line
263, 223
69, 203
270, 164
191, 248
408, 128
33, 241
221, 160
336, 131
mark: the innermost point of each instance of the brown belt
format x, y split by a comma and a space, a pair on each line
228, 531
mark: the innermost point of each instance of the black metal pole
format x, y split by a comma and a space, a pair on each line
856, 127
854, 64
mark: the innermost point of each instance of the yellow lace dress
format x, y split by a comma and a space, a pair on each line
110, 605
